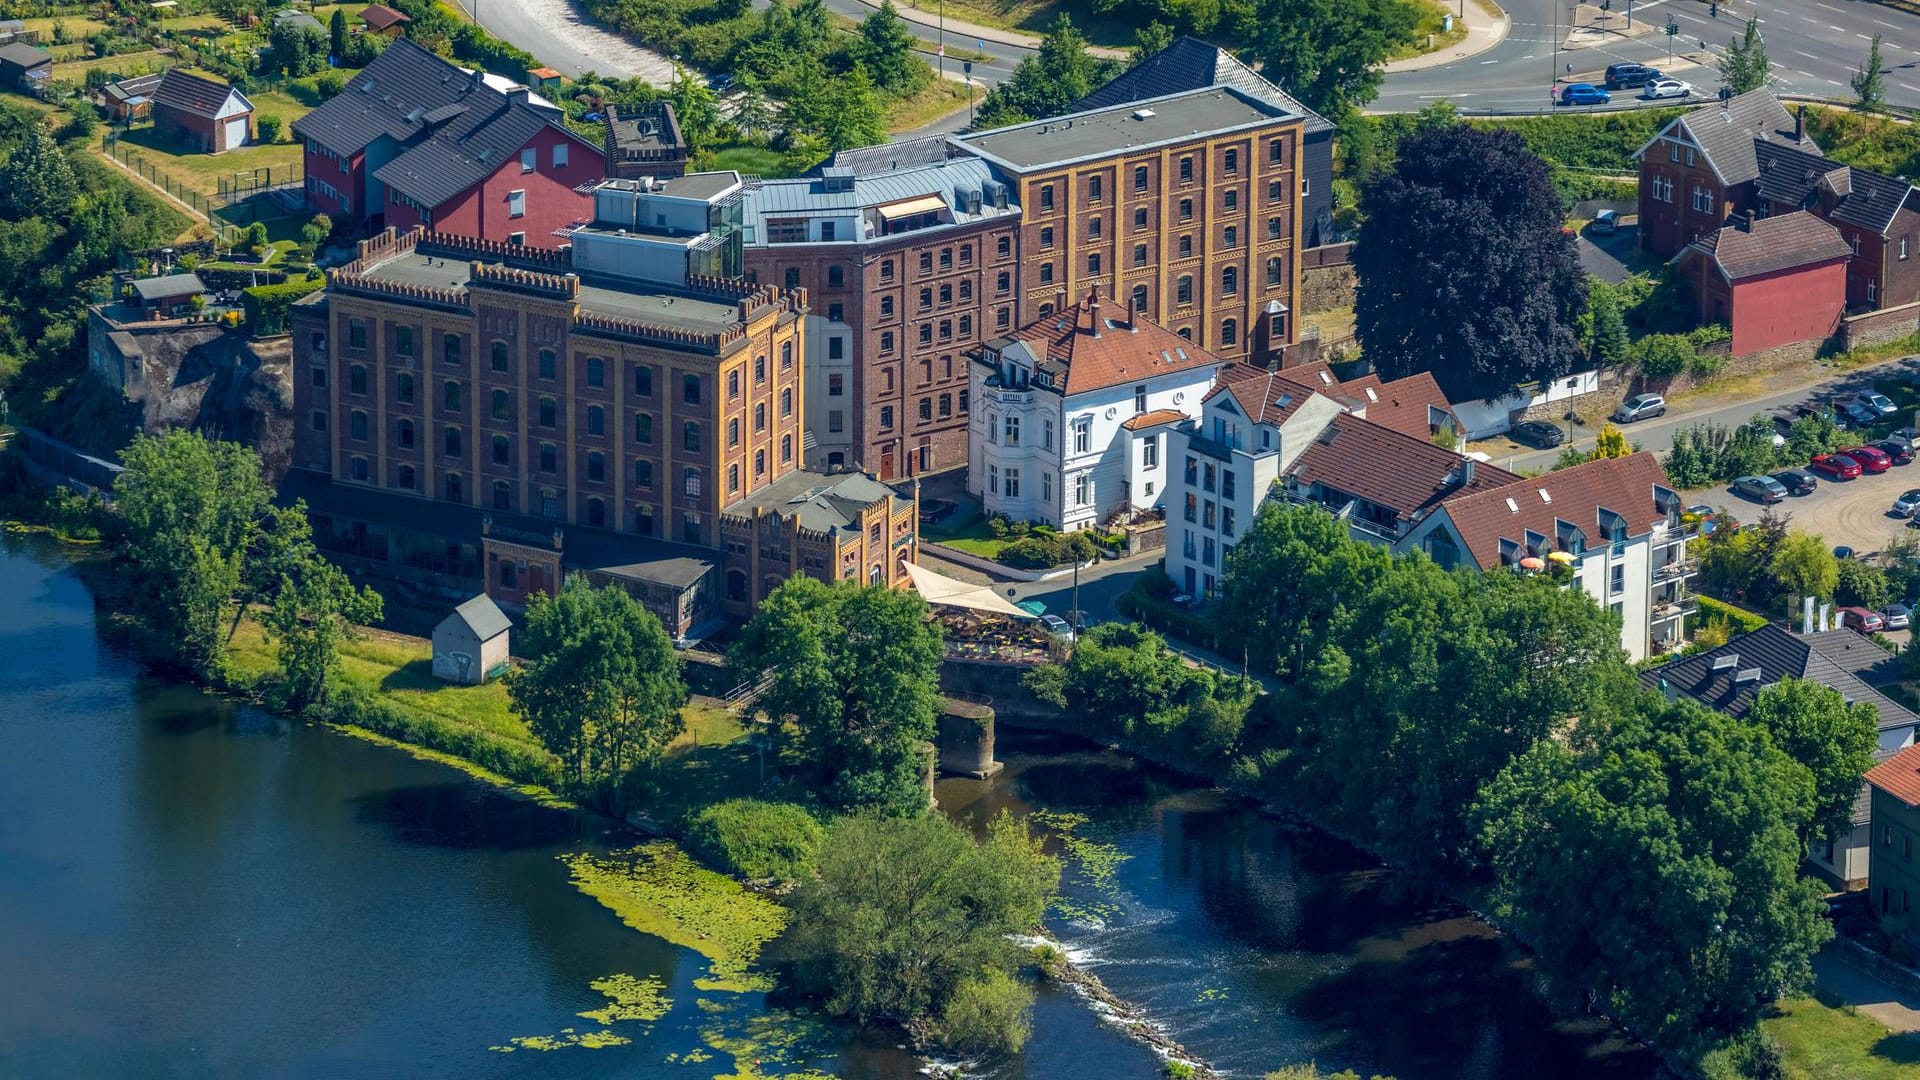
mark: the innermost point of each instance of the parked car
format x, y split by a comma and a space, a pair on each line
1900, 450
935, 511
1584, 94
1539, 433
1907, 503
1640, 407
1808, 409
1835, 466
1604, 223
1760, 488
1857, 414
1898, 615
1871, 459
1908, 435
1843, 552
1879, 403
1057, 626
1667, 88
1628, 76
1862, 619
1797, 481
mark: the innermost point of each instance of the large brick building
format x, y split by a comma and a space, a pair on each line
415, 140
1700, 169
1188, 203
629, 408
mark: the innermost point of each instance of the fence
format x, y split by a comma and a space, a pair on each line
239, 200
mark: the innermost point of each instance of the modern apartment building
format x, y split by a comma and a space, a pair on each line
1188, 204
628, 407
1071, 414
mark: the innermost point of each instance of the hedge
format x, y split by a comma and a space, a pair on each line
1742, 620
518, 761
268, 306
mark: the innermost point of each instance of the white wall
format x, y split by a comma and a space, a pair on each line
821, 441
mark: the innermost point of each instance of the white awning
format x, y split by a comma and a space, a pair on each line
925, 204
952, 592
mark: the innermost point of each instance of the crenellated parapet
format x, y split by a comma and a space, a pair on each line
496, 275
552, 261
655, 334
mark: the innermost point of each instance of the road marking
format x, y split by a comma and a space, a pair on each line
1489, 61
1829, 7
1908, 86
1808, 55
1888, 25
1529, 56
1863, 37
1839, 29
1803, 74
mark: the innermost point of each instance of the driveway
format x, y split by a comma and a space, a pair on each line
1605, 257
1854, 513
1899, 1012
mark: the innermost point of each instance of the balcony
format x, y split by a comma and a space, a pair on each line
1677, 570
1667, 611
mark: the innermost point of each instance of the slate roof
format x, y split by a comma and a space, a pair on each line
160, 288
1401, 473
456, 127
1772, 244
808, 195
1191, 64
889, 156
483, 617
820, 502
1774, 654
1092, 345
22, 55
1727, 134
1576, 496
1796, 177
380, 17
1857, 653
196, 95
1899, 776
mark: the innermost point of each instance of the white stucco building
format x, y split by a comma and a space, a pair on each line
1071, 414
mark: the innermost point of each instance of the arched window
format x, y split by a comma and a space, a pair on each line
691, 437
596, 371
733, 479
357, 379
451, 442
450, 348
759, 416
549, 412
502, 405
456, 491
737, 586
596, 420
596, 513
1140, 299
1183, 289
450, 396
1229, 332
786, 402
596, 466
1273, 270
406, 477
643, 429
547, 365
1229, 280
404, 431
403, 388
502, 495
499, 356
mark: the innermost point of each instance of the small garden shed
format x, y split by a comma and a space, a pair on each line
472, 643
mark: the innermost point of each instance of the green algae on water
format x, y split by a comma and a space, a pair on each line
775, 1043
658, 889
629, 998
1096, 867
592, 1040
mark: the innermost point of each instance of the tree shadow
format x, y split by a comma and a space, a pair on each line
463, 816
1900, 1049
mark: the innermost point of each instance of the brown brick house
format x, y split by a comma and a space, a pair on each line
201, 112
1877, 215
1701, 168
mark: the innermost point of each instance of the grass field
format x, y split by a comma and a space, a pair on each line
203, 173
77, 27
75, 71
750, 158
1433, 15
923, 108
1825, 1042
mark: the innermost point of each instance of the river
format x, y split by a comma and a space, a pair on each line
189, 887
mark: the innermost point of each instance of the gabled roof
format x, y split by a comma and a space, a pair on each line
1771, 244
1767, 655
819, 502
455, 126
1857, 653
139, 87
1726, 133
197, 95
483, 617
1795, 177
1192, 64
1401, 473
1097, 343
1268, 397
21, 54
295, 17
1899, 776
1406, 405
1580, 496
380, 17
1154, 419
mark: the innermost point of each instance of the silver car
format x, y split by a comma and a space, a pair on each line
1640, 407
1879, 403
1666, 88
1907, 503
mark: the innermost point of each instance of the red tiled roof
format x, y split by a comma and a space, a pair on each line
1772, 244
1899, 776
1405, 404
1576, 496
1389, 469
380, 16
1099, 347
1154, 419
1266, 397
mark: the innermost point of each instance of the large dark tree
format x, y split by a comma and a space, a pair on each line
1464, 268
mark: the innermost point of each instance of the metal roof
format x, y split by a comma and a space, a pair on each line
808, 195
1133, 126
483, 617
819, 501
1192, 64
160, 288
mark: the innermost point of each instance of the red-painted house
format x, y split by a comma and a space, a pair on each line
415, 140
1774, 280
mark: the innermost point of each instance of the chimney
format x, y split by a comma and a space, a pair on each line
518, 94
1800, 125
1466, 471
1130, 313
1744, 222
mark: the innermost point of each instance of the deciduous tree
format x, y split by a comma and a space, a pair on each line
1047, 84
1464, 269
886, 49
314, 610
36, 179
1803, 566
1833, 738
1869, 82
1744, 65
1327, 53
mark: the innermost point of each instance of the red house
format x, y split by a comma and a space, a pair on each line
1775, 280
415, 140
201, 112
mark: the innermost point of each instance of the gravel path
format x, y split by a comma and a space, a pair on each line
565, 39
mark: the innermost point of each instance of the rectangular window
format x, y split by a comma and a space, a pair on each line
357, 333
403, 340
1082, 489
516, 204
1150, 452
836, 421
529, 159
1082, 435
1093, 188
993, 479
1013, 483
1619, 583
560, 155
1046, 197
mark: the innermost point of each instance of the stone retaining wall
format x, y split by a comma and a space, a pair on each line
1879, 327
1326, 288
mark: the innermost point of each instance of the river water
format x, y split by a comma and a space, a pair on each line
197, 889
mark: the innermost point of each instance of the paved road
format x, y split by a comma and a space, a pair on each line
1657, 435
1899, 1012
1814, 45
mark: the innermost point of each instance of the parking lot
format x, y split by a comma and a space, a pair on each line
1854, 513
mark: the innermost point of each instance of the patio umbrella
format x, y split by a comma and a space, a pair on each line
1532, 562
952, 592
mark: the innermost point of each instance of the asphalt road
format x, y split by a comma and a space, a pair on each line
1657, 435
1814, 45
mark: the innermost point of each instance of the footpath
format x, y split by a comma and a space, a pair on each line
1485, 29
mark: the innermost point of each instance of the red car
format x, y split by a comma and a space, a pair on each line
1871, 458
1861, 619
1835, 466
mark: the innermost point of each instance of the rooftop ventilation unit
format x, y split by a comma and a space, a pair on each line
1143, 114
1722, 663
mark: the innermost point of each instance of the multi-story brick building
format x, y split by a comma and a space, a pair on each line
907, 269
469, 405
1188, 204
1702, 167
1875, 214
415, 140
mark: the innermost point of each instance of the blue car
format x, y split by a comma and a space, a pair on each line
1581, 93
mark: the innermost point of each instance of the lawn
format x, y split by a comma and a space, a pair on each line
195, 171
139, 63
971, 536
1433, 15
1824, 1042
77, 27
750, 158
1034, 17
937, 100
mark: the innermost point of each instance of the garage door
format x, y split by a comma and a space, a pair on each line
236, 132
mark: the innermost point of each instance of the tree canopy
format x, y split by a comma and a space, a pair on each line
1048, 83
1327, 53
1744, 65
1832, 737
1464, 269
855, 688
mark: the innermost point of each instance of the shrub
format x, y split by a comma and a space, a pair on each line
997, 527
269, 127
267, 306
1030, 553
329, 84
756, 839
987, 1012
1746, 622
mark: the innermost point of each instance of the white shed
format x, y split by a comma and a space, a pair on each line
471, 643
